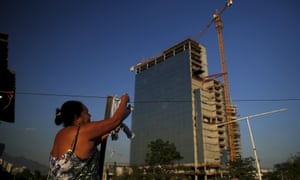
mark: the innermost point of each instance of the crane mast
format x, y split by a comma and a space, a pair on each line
228, 109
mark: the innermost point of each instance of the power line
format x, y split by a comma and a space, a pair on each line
62, 95
173, 100
281, 99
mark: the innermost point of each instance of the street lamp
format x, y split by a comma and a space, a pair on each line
251, 135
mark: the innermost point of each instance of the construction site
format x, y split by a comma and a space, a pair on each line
201, 102
194, 72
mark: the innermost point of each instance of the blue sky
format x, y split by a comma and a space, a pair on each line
85, 49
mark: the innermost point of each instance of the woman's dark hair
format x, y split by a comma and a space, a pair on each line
69, 110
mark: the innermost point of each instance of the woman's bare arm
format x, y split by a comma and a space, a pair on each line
97, 129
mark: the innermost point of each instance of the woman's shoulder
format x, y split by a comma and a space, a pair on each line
67, 131
63, 141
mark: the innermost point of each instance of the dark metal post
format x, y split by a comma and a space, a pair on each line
103, 144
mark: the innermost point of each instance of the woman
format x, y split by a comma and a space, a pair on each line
74, 153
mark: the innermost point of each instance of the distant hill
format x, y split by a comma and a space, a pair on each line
22, 161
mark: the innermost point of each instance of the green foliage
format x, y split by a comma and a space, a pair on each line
289, 169
26, 175
242, 169
161, 153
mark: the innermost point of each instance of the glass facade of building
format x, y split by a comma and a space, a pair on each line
177, 101
163, 108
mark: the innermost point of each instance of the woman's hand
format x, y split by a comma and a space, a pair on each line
125, 98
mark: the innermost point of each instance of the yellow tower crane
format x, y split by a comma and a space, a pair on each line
217, 20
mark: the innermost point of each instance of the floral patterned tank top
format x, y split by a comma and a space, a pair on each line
70, 167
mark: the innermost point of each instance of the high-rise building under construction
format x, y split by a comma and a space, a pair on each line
176, 100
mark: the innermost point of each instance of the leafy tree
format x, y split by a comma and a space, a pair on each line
161, 153
242, 168
26, 174
289, 169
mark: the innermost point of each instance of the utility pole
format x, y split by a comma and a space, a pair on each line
112, 104
108, 108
